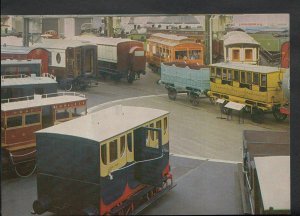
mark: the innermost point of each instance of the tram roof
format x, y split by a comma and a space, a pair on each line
106, 123
169, 40
20, 62
60, 43
38, 102
273, 174
170, 36
26, 81
238, 37
15, 50
246, 67
100, 40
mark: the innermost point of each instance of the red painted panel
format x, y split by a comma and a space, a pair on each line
43, 54
22, 135
285, 55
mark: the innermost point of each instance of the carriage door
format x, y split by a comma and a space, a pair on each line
78, 57
150, 166
70, 60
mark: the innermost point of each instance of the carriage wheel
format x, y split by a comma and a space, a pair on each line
195, 100
25, 169
172, 93
278, 115
257, 115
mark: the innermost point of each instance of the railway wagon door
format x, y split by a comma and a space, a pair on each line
150, 159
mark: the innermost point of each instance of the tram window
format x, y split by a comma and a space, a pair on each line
243, 77
218, 72
224, 74
263, 80
122, 145
129, 142
113, 150
230, 75
179, 55
194, 54
158, 125
15, 121
236, 76
235, 54
248, 54
255, 78
32, 119
2, 123
103, 154
165, 125
249, 77
62, 114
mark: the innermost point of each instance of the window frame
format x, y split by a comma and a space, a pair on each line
251, 57
115, 142
233, 54
37, 123
14, 127
106, 155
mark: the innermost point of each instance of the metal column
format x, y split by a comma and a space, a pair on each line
26, 32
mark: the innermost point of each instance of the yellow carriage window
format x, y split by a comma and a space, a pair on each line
129, 142
194, 54
181, 55
165, 125
255, 78
249, 77
263, 80
122, 145
218, 72
103, 154
243, 77
15, 121
32, 119
230, 75
224, 74
236, 76
152, 132
113, 150
158, 125
213, 72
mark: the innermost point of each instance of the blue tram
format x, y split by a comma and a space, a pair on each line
114, 161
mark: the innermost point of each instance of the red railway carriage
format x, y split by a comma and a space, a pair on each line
115, 161
21, 117
24, 53
120, 58
285, 55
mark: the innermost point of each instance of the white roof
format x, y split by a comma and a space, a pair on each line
238, 37
37, 102
60, 43
169, 36
15, 49
246, 67
14, 61
234, 105
107, 123
100, 40
274, 181
26, 81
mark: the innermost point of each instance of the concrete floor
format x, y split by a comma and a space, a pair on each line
204, 187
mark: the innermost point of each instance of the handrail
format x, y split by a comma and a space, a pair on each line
13, 76
49, 75
31, 97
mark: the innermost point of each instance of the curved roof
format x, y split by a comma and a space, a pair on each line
106, 123
169, 36
238, 37
100, 40
60, 43
246, 67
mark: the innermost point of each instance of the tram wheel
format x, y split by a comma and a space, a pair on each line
257, 115
195, 100
25, 169
68, 86
172, 94
278, 115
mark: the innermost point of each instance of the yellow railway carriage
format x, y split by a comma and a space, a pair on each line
258, 87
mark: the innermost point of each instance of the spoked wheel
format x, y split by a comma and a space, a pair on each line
278, 115
68, 86
257, 115
172, 93
25, 169
194, 99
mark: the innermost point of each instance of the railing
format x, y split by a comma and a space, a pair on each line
49, 75
13, 76
32, 97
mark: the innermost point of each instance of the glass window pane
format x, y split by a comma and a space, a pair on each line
122, 145
224, 74
218, 72
14, 121
248, 54
230, 75
129, 142
181, 55
255, 78
158, 125
104, 154
235, 54
249, 77
113, 150
165, 125
243, 77
194, 54
236, 76
263, 80
32, 119
151, 131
